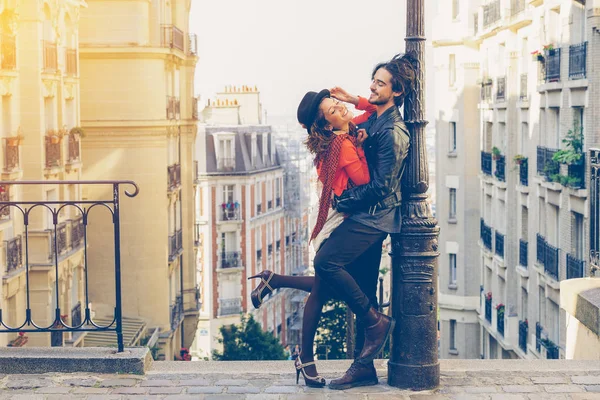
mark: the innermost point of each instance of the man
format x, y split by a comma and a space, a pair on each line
374, 211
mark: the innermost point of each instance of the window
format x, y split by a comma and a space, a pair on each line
452, 137
524, 303
258, 188
228, 194
452, 263
452, 70
452, 334
452, 212
455, 8
577, 237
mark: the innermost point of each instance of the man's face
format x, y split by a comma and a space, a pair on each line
381, 88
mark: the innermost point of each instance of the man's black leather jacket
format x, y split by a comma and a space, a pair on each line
386, 149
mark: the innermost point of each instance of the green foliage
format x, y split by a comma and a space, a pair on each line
570, 181
77, 130
573, 151
519, 159
247, 341
331, 334
496, 152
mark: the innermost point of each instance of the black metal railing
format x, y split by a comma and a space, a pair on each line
231, 259
524, 172
500, 319
14, 254
57, 324
499, 244
577, 61
269, 204
485, 234
259, 208
76, 233
575, 267
486, 163
8, 52
577, 173
551, 349
491, 13
500, 171
540, 253
177, 313
546, 166
523, 247
523, 332
501, 88
76, 315
551, 261
523, 88
552, 65
278, 202
594, 196
270, 250
538, 336
259, 255
488, 309
516, 6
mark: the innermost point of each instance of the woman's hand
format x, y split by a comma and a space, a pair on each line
361, 136
341, 95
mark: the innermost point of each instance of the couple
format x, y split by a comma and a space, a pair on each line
360, 173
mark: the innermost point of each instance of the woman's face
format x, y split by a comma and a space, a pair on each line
335, 113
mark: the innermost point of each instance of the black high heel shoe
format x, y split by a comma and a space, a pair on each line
312, 381
257, 294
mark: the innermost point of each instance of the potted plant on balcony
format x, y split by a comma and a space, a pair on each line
496, 153
500, 308
549, 48
519, 159
537, 56
55, 135
77, 131
573, 151
488, 296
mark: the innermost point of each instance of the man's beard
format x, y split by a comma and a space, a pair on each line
378, 101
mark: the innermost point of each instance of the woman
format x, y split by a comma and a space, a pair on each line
336, 144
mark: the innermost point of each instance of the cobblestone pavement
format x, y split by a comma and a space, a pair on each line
474, 379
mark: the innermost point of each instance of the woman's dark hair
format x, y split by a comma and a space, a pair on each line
320, 136
403, 69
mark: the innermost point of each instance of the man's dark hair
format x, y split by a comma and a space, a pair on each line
403, 69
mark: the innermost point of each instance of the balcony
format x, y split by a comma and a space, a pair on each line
547, 255
74, 155
500, 319
192, 44
550, 347
230, 306
71, 62
577, 61
538, 336
230, 211
231, 259
172, 37
485, 234
226, 164
575, 267
270, 205
194, 108
11, 156
173, 107
14, 254
524, 172
62, 245
500, 171
499, 244
4, 196
523, 332
546, 166
77, 232
523, 247
52, 151
516, 6
278, 202
576, 174
177, 313
486, 90
501, 89
174, 174
552, 65
491, 13
8, 52
258, 209
523, 88
486, 163
488, 307
175, 244
197, 235
50, 56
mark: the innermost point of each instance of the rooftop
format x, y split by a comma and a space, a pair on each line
460, 379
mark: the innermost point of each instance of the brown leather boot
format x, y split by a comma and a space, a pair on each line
375, 335
357, 375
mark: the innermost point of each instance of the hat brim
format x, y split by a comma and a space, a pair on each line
316, 102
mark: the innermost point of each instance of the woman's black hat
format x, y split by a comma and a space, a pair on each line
309, 107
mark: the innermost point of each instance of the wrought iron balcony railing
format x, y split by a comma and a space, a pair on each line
226, 164
53, 151
77, 233
500, 320
175, 244
552, 65
501, 88
524, 172
11, 156
523, 88
547, 255
172, 37
577, 173
4, 197
499, 245
174, 174
230, 306
14, 254
551, 349
491, 13
488, 309
192, 44
523, 247
71, 62
50, 56
575, 267
177, 313
486, 234
500, 171
577, 61
486, 163
546, 166
8, 52
73, 149
231, 259
523, 333
62, 245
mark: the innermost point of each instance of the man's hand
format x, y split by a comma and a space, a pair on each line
338, 204
361, 137
341, 95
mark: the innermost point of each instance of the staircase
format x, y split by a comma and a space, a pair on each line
133, 330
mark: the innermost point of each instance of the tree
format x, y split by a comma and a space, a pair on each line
331, 334
247, 341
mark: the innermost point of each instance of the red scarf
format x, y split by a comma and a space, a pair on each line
329, 160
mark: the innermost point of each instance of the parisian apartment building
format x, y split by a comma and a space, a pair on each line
242, 221
516, 170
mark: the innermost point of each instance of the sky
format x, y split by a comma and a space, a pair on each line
288, 47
